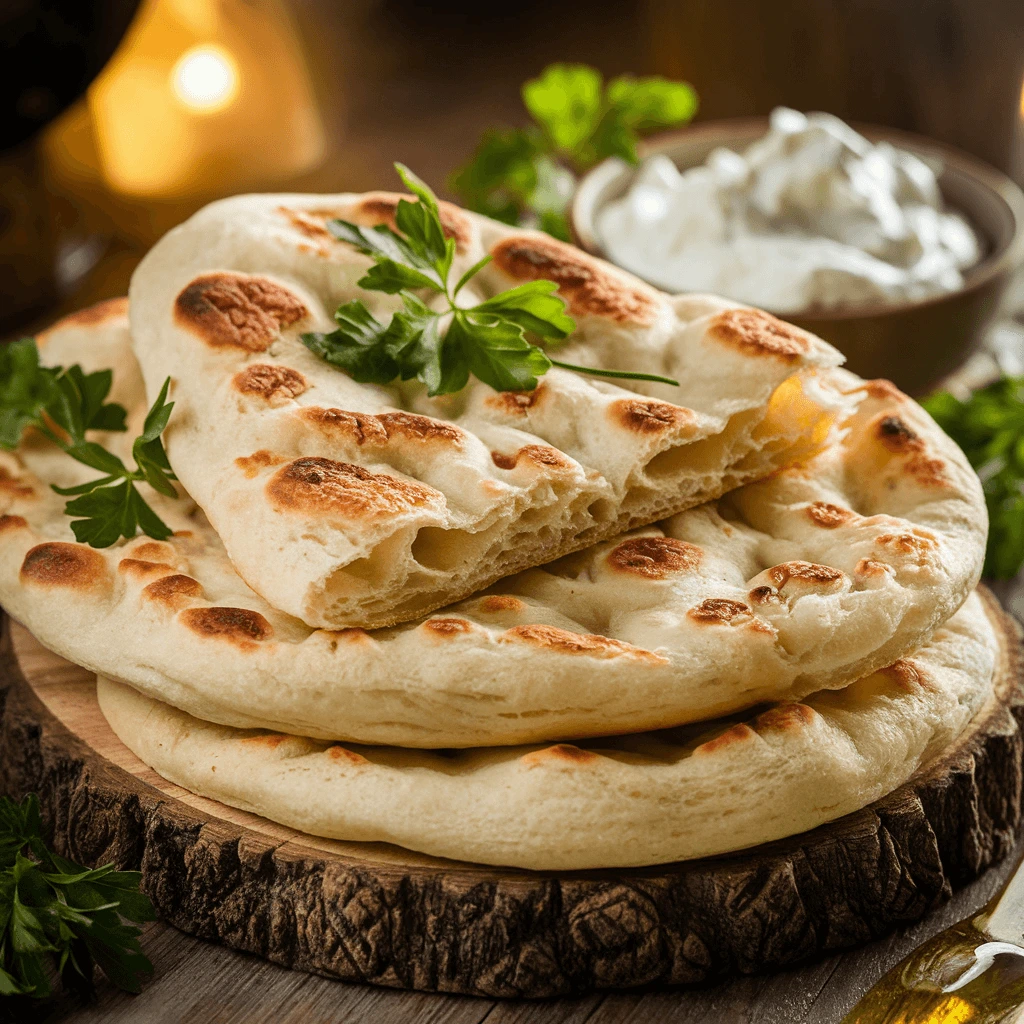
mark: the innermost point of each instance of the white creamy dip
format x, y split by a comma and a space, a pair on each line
812, 215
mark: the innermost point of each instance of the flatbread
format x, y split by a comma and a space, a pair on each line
630, 801
827, 571
346, 504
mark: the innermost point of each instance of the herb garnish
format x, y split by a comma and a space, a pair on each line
527, 175
441, 348
63, 404
989, 427
54, 908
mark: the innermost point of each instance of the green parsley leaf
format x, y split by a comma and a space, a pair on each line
52, 909
989, 427
526, 176
439, 347
64, 405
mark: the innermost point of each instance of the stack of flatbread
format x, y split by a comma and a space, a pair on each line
591, 625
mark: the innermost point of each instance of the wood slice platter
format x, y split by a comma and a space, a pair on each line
375, 913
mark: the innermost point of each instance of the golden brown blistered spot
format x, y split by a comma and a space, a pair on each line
896, 437
806, 572
250, 465
739, 733
906, 675
14, 486
91, 316
564, 752
447, 627
175, 591
153, 551
926, 471
539, 454
239, 626
827, 516
237, 310
516, 403
322, 487
12, 523
140, 569
555, 639
655, 558
498, 603
757, 333
271, 740
344, 754
785, 717
871, 567
589, 286
380, 208
880, 389
59, 564
646, 416
718, 611
368, 428
270, 382
916, 547
419, 428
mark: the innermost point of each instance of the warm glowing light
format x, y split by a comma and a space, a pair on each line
205, 78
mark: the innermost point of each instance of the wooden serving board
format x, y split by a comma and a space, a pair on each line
378, 914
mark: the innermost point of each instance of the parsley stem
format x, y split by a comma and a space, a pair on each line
624, 374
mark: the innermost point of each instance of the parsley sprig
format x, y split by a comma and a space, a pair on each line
64, 405
55, 910
989, 427
527, 175
441, 347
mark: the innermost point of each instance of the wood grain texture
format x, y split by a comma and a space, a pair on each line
373, 913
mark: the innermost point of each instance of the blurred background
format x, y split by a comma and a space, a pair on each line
120, 118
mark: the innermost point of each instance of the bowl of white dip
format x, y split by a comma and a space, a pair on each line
894, 248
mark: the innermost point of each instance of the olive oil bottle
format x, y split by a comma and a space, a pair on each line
972, 973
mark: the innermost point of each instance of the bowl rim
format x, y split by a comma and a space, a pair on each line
583, 206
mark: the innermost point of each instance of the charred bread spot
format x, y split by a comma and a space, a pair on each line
898, 439
564, 753
411, 427
765, 595
655, 558
251, 465
739, 733
806, 572
498, 603
241, 627
141, 569
322, 487
872, 567
719, 611
562, 640
589, 286
906, 675
516, 403
756, 333
59, 564
647, 416
785, 718
344, 754
916, 548
12, 523
270, 740
269, 382
237, 310
92, 316
896, 436
14, 486
174, 591
827, 516
447, 627
539, 454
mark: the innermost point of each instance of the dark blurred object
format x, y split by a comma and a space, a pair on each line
50, 50
915, 344
49, 53
949, 69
